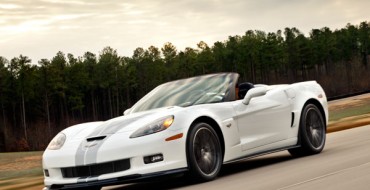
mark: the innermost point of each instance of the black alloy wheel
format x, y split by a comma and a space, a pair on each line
312, 132
204, 152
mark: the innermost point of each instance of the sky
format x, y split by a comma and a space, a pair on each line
40, 28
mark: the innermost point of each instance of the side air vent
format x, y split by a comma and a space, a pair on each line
291, 125
95, 138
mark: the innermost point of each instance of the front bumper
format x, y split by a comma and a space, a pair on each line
118, 180
115, 148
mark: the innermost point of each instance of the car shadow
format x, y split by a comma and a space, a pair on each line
174, 182
254, 163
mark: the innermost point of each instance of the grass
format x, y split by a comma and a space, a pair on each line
359, 109
21, 170
17, 164
349, 113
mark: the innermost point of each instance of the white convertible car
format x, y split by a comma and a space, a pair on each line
190, 126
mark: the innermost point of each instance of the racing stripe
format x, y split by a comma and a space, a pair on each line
80, 154
111, 127
87, 151
92, 152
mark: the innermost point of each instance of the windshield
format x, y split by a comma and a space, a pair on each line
186, 92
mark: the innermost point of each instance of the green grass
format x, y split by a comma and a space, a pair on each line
335, 115
16, 160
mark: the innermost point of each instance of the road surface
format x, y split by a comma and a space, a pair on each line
344, 164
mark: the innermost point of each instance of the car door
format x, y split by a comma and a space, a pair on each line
265, 120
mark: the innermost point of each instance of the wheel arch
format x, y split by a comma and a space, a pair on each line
214, 125
318, 105
302, 149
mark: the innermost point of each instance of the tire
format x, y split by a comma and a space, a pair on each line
312, 132
204, 153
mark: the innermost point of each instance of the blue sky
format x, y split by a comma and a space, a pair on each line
40, 28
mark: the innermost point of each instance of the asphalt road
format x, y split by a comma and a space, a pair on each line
344, 164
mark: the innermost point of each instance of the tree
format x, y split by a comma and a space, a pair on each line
249, 58
169, 52
21, 71
90, 63
139, 64
303, 55
58, 68
4, 88
323, 48
291, 50
273, 56
364, 40
205, 58
77, 84
186, 63
219, 54
46, 87
108, 64
158, 70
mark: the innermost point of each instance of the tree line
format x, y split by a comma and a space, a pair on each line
39, 100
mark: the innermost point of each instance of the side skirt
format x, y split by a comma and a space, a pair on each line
261, 154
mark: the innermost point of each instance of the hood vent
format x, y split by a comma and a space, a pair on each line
97, 138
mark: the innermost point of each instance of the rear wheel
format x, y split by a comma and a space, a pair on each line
312, 132
204, 152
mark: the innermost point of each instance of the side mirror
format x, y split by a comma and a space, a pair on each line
254, 92
126, 111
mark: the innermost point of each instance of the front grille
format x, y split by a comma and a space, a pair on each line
96, 169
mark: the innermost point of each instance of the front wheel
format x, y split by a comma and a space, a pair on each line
204, 152
312, 132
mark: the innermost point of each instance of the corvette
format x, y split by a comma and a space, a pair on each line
190, 126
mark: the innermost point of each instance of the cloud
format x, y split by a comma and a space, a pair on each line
9, 6
40, 28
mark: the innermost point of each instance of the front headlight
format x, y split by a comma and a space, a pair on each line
155, 127
57, 142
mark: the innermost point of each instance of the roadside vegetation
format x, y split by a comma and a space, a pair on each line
15, 164
21, 170
39, 100
349, 113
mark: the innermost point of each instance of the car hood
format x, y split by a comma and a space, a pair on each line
127, 123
